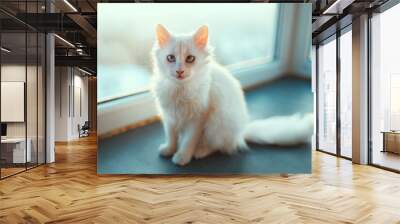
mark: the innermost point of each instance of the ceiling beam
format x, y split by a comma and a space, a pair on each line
337, 6
84, 24
81, 61
321, 21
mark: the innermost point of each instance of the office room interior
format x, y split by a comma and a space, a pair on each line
53, 95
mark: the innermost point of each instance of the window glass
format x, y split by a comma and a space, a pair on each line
395, 101
346, 94
327, 97
385, 89
125, 39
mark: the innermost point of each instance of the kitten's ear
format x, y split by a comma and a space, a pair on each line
200, 38
163, 36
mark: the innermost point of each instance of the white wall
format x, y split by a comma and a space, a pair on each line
70, 83
61, 103
12, 73
79, 117
12, 100
33, 126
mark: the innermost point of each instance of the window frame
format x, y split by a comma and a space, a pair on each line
344, 31
371, 69
334, 37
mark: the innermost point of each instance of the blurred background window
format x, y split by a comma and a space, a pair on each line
242, 35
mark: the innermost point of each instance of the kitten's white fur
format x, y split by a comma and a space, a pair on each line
205, 111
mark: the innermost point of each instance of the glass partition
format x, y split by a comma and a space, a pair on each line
14, 153
22, 77
31, 100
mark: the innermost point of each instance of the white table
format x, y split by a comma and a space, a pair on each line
19, 155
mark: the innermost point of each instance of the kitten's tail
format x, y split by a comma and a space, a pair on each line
281, 130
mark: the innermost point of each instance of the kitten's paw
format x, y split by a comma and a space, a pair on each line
166, 150
201, 153
181, 158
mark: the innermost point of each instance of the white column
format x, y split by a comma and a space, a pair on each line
50, 100
360, 90
50, 92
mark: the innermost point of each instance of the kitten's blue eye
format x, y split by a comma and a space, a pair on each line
190, 59
170, 58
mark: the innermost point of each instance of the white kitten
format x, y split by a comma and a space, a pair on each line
202, 105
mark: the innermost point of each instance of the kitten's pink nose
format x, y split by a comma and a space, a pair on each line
180, 74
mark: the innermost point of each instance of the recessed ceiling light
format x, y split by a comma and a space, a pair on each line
338, 6
84, 71
65, 41
5, 50
70, 5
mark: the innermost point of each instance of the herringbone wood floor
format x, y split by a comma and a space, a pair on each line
69, 191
